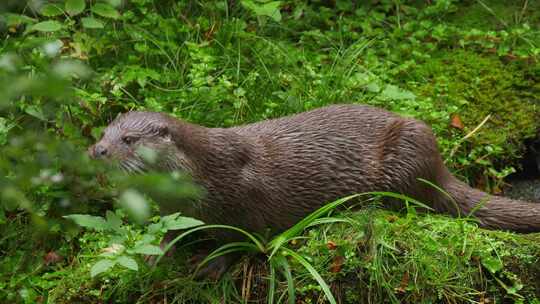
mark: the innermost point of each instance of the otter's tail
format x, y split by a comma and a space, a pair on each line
493, 212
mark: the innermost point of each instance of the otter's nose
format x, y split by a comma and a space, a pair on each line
98, 151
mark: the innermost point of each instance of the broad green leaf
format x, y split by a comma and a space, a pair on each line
147, 238
182, 223
47, 26
101, 266
36, 112
75, 7
269, 9
105, 10
113, 221
91, 23
51, 10
88, 221
392, 92
128, 262
148, 250
155, 228
16, 19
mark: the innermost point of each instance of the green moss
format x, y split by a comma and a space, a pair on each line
495, 13
481, 85
428, 259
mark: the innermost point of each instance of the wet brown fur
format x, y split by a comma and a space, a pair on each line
273, 173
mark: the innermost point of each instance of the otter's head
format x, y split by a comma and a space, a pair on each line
132, 136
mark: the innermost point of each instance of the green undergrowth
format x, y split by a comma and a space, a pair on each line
480, 86
470, 69
429, 259
377, 256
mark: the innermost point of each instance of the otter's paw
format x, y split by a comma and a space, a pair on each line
214, 269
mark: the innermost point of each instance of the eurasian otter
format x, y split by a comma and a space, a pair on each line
273, 173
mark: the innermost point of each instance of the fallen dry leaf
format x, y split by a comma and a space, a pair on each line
337, 263
52, 258
455, 122
404, 283
331, 245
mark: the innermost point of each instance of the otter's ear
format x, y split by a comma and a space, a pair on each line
162, 130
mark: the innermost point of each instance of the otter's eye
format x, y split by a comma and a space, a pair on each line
128, 140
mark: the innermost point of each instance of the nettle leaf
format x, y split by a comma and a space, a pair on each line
105, 10
101, 266
75, 7
147, 238
88, 221
128, 262
147, 249
182, 222
50, 10
155, 228
47, 26
92, 23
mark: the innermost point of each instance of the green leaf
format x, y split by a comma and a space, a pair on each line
50, 10
91, 23
128, 262
491, 263
392, 92
175, 222
105, 10
36, 112
16, 19
147, 238
148, 250
75, 7
269, 9
88, 221
155, 228
113, 221
47, 26
101, 266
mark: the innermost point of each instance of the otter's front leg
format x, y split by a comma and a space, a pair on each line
213, 269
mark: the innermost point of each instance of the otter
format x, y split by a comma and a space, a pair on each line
273, 173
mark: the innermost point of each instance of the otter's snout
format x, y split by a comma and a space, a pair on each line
98, 151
